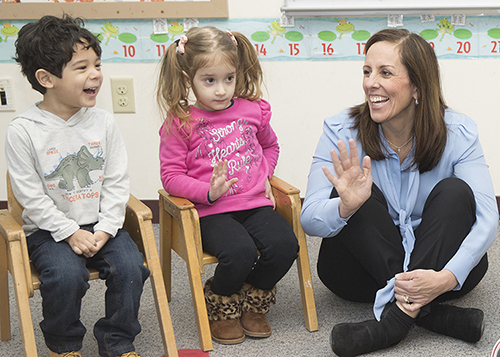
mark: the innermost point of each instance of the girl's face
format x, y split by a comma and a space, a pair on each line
214, 87
389, 92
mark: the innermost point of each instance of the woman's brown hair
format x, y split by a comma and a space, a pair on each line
429, 128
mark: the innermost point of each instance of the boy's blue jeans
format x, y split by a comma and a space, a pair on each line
64, 282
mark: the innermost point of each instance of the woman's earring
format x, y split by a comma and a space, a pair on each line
416, 101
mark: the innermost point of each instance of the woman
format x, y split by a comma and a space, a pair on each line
412, 211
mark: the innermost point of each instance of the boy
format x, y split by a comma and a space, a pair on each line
68, 168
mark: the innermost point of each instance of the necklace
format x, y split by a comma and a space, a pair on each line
400, 147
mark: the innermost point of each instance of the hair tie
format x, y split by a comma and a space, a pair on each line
180, 44
231, 36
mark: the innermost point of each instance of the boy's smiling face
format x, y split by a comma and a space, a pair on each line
78, 87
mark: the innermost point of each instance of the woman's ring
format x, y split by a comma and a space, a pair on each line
406, 299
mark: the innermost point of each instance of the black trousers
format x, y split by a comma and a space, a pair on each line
368, 251
235, 237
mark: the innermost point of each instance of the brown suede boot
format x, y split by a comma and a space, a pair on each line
223, 315
254, 309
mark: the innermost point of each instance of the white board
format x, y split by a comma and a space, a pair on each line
386, 7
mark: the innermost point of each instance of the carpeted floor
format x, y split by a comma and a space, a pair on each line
289, 338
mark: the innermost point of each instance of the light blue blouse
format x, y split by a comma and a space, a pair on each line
406, 191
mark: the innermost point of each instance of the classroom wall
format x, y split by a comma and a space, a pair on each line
302, 94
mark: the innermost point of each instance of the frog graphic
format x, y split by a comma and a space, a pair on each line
109, 31
445, 27
276, 30
8, 30
175, 28
344, 26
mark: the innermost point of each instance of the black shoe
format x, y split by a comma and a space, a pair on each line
466, 324
353, 339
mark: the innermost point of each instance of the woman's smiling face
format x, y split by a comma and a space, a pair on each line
389, 92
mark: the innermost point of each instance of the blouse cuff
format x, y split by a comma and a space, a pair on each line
460, 265
334, 220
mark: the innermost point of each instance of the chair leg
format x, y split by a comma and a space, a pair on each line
306, 288
4, 293
186, 248
200, 307
194, 271
165, 249
22, 300
161, 302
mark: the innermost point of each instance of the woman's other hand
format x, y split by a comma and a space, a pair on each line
353, 183
419, 287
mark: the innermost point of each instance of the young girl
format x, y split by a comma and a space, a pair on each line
220, 153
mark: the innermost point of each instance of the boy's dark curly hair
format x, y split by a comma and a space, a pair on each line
49, 44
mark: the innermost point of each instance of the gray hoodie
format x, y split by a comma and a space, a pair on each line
68, 173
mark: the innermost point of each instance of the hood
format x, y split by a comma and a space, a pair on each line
47, 119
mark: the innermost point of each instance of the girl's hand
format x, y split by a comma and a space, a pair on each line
352, 184
218, 184
269, 193
421, 286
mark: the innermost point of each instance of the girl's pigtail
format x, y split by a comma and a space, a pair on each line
173, 90
249, 77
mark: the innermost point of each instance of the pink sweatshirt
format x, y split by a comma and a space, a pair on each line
242, 135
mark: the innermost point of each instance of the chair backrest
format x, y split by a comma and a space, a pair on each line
15, 208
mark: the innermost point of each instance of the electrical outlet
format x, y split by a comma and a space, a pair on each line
122, 90
123, 102
122, 94
6, 95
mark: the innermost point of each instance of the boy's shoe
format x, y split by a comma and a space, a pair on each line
65, 354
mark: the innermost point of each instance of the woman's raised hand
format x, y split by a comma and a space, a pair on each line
352, 183
218, 184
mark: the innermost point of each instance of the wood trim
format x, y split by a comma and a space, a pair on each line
153, 206
498, 203
117, 10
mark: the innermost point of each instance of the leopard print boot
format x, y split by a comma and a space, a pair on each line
223, 316
254, 309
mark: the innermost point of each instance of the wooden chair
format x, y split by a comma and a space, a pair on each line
180, 231
14, 258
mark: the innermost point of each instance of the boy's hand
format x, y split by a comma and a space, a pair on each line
83, 242
101, 239
218, 184
269, 193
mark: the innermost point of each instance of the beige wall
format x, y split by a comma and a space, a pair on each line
301, 93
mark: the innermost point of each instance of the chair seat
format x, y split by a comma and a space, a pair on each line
209, 259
